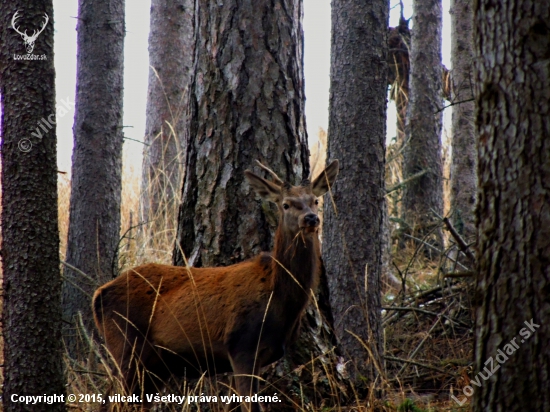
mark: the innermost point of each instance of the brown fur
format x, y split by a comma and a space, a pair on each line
183, 321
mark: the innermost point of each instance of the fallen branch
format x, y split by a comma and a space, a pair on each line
427, 312
461, 243
415, 351
423, 365
419, 377
434, 248
454, 104
89, 372
429, 292
406, 181
467, 274
422, 298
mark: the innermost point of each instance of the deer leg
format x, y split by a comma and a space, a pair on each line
246, 382
133, 360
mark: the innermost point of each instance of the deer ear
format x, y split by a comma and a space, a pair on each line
265, 189
326, 179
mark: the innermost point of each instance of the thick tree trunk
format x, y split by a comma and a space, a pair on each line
513, 213
171, 50
464, 157
31, 321
352, 228
94, 219
246, 103
422, 152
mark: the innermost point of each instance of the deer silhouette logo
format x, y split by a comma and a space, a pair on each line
29, 40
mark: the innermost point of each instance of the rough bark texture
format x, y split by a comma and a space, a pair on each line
352, 237
464, 156
246, 103
31, 322
399, 43
513, 213
399, 66
171, 50
94, 219
423, 125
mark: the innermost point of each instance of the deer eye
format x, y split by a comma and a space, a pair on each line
316, 201
285, 206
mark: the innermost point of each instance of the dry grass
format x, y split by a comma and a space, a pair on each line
437, 337
429, 323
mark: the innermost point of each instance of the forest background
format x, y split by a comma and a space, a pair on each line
316, 73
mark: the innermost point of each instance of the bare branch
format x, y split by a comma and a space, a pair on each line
461, 243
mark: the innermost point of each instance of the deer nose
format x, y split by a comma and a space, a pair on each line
311, 219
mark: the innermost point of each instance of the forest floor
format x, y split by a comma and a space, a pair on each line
427, 319
428, 338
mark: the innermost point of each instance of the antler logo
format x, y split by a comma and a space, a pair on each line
29, 40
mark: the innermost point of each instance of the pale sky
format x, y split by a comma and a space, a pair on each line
316, 69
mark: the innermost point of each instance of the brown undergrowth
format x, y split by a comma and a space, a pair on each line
428, 328
427, 308
427, 321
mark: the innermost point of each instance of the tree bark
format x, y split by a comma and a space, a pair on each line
399, 44
464, 156
94, 216
352, 228
422, 151
399, 67
513, 214
171, 50
246, 103
31, 322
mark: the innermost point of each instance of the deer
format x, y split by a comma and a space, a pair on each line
159, 321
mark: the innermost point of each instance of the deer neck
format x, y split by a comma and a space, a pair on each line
295, 266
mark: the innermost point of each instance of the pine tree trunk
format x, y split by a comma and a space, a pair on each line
246, 103
399, 67
424, 195
171, 50
399, 44
31, 321
513, 214
464, 157
352, 228
94, 219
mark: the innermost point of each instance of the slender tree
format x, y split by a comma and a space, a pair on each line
422, 153
513, 213
94, 216
31, 319
246, 103
171, 50
464, 156
399, 44
352, 229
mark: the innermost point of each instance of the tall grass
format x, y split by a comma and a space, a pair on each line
97, 374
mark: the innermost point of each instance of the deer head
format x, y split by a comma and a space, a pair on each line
297, 204
29, 40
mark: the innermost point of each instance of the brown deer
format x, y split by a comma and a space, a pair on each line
183, 321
